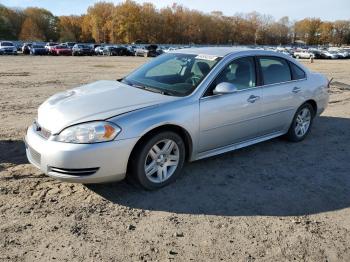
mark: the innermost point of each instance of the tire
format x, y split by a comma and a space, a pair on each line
143, 158
295, 132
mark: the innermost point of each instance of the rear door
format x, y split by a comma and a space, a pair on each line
282, 93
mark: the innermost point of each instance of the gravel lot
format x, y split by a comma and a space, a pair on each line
275, 201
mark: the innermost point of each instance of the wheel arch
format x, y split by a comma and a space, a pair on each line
313, 104
182, 132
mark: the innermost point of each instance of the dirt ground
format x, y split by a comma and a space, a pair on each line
275, 201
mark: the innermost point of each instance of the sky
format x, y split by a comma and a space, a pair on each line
296, 9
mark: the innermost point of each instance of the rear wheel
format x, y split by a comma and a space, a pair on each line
158, 161
301, 124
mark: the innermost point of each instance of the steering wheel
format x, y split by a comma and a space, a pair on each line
195, 79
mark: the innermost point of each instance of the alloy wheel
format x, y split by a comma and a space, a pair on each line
162, 161
303, 122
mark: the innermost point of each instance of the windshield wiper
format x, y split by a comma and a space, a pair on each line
151, 89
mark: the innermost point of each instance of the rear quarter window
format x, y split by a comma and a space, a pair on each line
297, 72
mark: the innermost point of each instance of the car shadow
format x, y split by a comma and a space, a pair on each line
12, 152
274, 178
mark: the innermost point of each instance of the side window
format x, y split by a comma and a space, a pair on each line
240, 72
274, 70
298, 73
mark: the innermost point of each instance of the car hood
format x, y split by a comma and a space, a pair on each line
96, 101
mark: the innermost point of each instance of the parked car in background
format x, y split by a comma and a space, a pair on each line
116, 51
343, 54
329, 55
61, 50
131, 50
148, 51
8, 48
141, 51
185, 105
94, 46
49, 47
169, 49
69, 44
316, 53
38, 49
99, 50
82, 49
303, 54
26, 48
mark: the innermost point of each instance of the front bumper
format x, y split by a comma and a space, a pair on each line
108, 160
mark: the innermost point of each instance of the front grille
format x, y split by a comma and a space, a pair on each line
74, 171
41, 131
35, 156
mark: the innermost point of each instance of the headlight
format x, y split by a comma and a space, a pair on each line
88, 133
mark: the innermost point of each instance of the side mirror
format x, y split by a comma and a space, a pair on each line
225, 88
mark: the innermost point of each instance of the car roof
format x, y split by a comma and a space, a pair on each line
222, 51
225, 51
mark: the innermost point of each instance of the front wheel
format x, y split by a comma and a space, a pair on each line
301, 124
158, 161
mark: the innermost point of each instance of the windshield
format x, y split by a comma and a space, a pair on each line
172, 74
38, 46
6, 44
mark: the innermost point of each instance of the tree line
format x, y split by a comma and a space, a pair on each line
130, 22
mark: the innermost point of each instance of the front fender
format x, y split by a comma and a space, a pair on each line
183, 113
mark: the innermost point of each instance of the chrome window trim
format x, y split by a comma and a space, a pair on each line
230, 59
283, 83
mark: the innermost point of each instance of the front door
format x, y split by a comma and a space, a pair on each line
231, 118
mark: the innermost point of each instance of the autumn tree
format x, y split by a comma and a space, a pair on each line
308, 30
97, 21
70, 28
11, 21
126, 23
39, 24
341, 32
30, 31
130, 21
326, 33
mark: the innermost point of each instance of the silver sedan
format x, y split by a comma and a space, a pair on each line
185, 105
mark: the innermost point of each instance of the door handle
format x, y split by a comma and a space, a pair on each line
253, 98
296, 90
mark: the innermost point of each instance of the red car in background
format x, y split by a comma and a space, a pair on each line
61, 50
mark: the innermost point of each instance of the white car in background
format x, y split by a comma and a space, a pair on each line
49, 47
343, 54
8, 48
99, 50
303, 54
